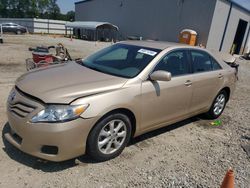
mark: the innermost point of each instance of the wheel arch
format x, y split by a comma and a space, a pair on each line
124, 111
228, 91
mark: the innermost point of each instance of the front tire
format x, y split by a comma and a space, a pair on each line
218, 105
109, 137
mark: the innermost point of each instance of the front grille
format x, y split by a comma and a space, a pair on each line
21, 109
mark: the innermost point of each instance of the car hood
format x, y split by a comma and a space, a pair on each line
66, 82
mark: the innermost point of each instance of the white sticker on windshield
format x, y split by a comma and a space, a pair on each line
148, 52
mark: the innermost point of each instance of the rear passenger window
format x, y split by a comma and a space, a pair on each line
175, 62
201, 62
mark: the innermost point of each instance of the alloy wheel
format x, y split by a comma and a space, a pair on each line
219, 104
112, 136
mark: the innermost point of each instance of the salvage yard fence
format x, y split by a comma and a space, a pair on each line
35, 25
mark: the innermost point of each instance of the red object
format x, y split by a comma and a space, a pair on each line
38, 57
228, 181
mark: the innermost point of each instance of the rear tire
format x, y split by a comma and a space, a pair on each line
218, 105
109, 137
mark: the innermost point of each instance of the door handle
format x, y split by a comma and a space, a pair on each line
188, 83
220, 76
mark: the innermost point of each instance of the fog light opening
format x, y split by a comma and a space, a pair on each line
17, 138
51, 150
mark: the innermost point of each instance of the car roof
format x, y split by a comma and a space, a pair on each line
161, 45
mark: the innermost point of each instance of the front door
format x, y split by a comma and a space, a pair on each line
164, 101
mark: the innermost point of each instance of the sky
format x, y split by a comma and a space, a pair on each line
244, 3
67, 5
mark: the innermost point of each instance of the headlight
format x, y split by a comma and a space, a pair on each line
59, 113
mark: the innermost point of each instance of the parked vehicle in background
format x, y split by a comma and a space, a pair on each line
96, 105
13, 28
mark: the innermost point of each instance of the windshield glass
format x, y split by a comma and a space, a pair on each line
121, 60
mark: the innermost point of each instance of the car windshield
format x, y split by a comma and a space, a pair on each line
121, 60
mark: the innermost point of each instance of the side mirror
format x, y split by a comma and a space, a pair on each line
160, 76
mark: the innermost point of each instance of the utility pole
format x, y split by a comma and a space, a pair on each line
1, 34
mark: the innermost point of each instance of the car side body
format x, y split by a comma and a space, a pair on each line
147, 102
13, 28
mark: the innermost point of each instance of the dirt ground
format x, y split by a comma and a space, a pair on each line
191, 153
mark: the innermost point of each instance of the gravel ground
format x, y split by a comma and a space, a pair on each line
191, 153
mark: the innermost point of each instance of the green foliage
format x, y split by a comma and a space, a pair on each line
47, 9
70, 15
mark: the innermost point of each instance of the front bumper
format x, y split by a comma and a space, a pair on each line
68, 139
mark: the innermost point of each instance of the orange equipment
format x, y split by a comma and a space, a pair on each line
188, 36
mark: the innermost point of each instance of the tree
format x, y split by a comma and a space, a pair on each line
1, 8
32, 9
47, 9
4, 4
53, 10
42, 6
70, 16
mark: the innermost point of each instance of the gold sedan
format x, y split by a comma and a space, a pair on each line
125, 90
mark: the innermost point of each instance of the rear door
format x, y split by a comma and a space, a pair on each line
207, 80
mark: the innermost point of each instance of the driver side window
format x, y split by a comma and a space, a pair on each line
175, 62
